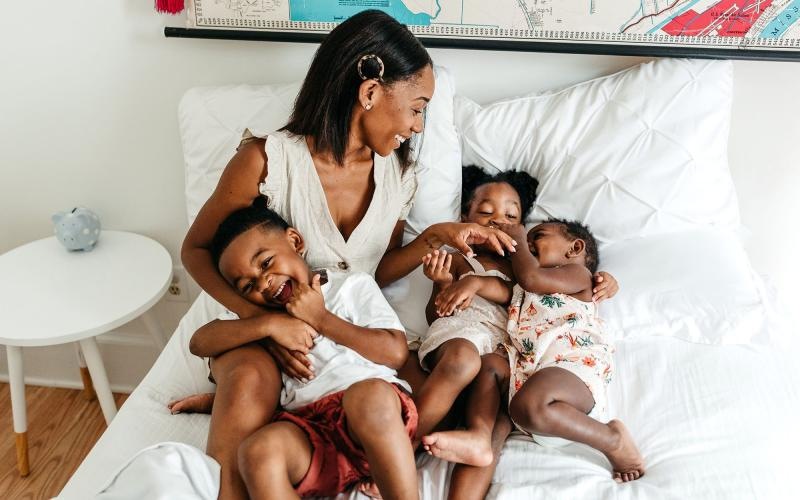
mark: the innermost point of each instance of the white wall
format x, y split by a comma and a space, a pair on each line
88, 98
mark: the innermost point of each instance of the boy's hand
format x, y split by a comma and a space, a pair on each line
605, 286
307, 303
458, 296
516, 231
436, 266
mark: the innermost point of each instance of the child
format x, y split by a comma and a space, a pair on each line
468, 294
354, 418
559, 362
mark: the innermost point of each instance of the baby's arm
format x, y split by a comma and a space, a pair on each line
459, 295
384, 346
222, 335
570, 279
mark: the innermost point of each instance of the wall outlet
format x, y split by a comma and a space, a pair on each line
178, 290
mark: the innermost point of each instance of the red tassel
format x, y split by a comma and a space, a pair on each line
169, 6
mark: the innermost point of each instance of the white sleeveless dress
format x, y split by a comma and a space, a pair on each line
483, 323
295, 192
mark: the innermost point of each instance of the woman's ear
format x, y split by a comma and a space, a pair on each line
368, 92
577, 248
296, 240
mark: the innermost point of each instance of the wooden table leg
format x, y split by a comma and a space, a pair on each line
88, 387
154, 328
18, 410
92, 355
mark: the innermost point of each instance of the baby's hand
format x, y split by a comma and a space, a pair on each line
457, 296
436, 266
516, 231
307, 303
605, 286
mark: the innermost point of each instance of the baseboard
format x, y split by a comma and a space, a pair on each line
66, 384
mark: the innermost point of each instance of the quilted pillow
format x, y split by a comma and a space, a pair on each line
637, 153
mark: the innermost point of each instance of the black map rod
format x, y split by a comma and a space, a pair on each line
471, 43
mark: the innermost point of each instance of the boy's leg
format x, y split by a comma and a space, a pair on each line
274, 459
375, 422
248, 390
455, 365
555, 402
468, 481
473, 446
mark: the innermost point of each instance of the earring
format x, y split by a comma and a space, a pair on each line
368, 106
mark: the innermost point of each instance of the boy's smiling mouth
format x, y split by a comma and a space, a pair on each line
282, 294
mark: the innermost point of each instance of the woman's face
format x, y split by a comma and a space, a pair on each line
396, 112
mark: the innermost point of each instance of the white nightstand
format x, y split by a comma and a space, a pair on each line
51, 296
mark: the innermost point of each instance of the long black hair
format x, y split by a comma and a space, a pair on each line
324, 106
473, 177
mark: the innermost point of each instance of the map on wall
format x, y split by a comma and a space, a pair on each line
740, 24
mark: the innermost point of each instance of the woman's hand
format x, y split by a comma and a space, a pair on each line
292, 333
605, 286
436, 266
458, 296
307, 303
293, 363
460, 235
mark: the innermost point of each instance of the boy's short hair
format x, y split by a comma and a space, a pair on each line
577, 230
473, 177
256, 215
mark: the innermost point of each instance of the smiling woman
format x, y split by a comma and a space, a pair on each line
339, 172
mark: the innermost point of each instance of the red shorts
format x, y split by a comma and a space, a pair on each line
337, 463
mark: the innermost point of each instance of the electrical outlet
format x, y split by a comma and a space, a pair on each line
178, 290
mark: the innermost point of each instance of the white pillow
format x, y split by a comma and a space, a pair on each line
696, 285
637, 153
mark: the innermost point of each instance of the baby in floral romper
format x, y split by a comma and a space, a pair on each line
558, 362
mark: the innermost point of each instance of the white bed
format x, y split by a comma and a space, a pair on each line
705, 377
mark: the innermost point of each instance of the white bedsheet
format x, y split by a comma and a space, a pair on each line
712, 422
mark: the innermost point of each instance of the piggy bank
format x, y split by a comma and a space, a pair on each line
77, 229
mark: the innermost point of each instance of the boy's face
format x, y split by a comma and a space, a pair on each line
549, 245
265, 266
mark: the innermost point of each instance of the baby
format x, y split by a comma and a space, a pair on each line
355, 418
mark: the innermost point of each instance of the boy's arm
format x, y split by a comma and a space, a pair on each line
222, 335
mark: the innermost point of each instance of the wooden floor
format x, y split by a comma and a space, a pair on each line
62, 428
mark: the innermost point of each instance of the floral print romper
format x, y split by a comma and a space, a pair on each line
558, 330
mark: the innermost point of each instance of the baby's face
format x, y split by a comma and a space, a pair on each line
549, 245
496, 202
265, 265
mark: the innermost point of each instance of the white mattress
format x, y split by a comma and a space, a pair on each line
712, 422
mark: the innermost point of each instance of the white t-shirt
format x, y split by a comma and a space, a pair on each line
354, 297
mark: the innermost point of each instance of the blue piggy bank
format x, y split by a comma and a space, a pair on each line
77, 229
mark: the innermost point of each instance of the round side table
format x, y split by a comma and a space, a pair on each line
53, 296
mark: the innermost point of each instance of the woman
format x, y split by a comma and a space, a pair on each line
340, 173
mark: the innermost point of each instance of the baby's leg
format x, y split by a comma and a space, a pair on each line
473, 446
555, 402
455, 365
375, 422
470, 482
274, 459
248, 388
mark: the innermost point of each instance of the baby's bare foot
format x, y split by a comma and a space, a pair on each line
369, 488
626, 460
196, 403
464, 447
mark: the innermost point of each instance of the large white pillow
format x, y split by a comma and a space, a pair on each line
636, 153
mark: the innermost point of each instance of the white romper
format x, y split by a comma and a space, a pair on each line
295, 192
483, 323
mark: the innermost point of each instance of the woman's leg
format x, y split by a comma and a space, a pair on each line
248, 391
555, 402
274, 459
455, 365
473, 446
375, 422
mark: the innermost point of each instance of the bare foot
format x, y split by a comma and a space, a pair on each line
626, 460
196, 403
369, 488
463, 447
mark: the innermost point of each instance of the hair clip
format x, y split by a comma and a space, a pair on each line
380, 66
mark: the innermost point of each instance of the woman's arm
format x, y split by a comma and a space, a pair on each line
399, 260
237, 188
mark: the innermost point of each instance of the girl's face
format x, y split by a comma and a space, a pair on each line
265, 265
551, 247
496, 202
396, 111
